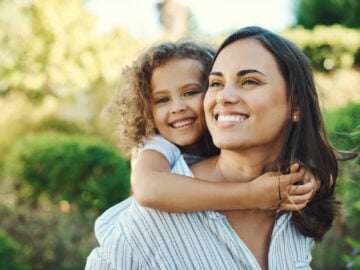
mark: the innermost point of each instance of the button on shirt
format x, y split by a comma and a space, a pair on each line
136, 237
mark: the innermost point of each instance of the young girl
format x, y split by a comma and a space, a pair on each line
161, 105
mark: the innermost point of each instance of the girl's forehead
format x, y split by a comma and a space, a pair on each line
177, 73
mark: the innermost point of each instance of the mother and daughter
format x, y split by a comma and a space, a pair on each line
252, 187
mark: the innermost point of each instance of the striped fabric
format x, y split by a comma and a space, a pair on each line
134, 237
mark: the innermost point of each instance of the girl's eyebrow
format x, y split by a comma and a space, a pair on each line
159, 92
239, 73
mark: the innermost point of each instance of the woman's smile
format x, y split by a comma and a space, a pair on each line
246, 104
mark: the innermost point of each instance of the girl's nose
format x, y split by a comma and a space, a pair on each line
178, 106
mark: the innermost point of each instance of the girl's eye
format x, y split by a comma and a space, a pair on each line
161, 100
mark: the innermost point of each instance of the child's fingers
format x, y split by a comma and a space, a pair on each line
309, 177
286, 181
292, 207
296, 188
294, 167
291, 178
296, 202
303, 189
299, 199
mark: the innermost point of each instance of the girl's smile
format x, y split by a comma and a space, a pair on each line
177, 93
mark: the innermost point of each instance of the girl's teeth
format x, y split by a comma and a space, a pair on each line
182, 123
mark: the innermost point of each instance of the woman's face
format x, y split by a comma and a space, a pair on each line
246, 106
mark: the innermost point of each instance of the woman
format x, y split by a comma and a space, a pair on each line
262, 111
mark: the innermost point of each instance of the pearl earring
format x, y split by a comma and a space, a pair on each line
294, 117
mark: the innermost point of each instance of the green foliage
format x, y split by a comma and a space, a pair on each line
49, 237
326, 253
328, 48
342, 126
51, 48
310, 13
9, 250
353, 259
75, 168
52, 123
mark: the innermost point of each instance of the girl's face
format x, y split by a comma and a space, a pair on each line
246, 106
177, 99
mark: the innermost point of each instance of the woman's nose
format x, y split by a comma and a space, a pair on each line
228, 95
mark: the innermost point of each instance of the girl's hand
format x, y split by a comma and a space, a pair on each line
272, 191
299, 194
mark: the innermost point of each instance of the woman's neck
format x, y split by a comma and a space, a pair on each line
244, 167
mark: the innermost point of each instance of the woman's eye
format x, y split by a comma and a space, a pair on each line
249, 82
214, 84
191, 92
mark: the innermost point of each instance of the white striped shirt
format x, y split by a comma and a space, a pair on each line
135, 237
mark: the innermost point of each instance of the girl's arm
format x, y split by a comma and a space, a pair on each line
156, 187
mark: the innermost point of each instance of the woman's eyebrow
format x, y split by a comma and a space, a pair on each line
216, 73
246, 71
239, 73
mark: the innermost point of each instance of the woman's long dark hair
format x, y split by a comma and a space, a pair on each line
306, 140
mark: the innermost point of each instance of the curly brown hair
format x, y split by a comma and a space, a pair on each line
133, 104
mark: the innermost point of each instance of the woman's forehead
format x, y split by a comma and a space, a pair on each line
242, 54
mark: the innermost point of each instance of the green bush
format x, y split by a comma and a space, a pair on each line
75, 168
52, 123
342, 241
328, 47
343, 127
9, 249
49, 238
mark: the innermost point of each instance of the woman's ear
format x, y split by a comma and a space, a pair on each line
296, 114
295, 117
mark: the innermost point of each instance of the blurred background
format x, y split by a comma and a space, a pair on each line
60, 65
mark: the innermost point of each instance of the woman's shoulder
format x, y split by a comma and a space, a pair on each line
286, 231
205, 169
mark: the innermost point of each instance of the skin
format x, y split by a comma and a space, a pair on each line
260, 98
177, 94
246, 110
